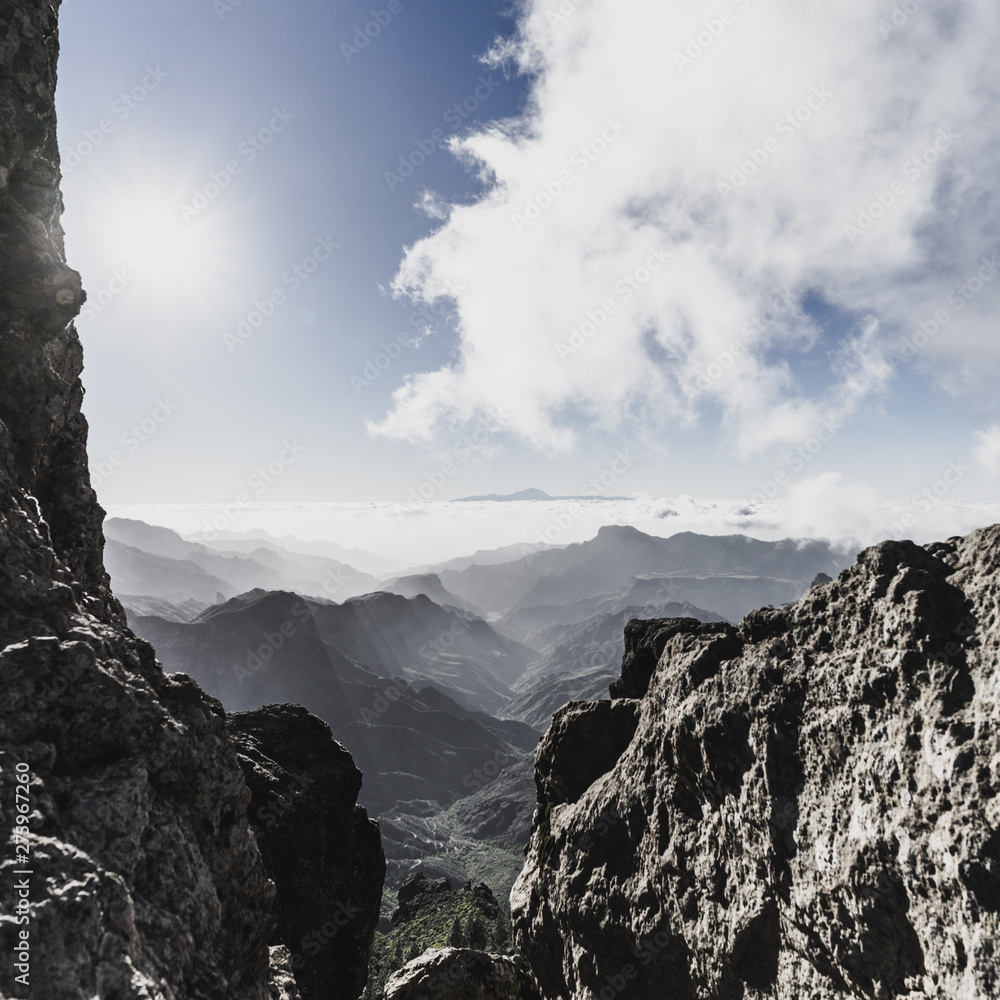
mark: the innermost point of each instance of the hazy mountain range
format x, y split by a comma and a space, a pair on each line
511, 633
412, 740
157, 562
732, 574
439, 680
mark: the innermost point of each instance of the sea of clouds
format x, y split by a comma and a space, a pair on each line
416, 534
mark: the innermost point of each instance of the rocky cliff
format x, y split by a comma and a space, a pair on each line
319, 846
801, 806
128, 867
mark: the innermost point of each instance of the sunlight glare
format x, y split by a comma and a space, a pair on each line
167, 254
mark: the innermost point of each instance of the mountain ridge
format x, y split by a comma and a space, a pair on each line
414, 737
612, 560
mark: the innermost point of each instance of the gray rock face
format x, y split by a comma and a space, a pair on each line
462, 974
319, 846
128, 868
802, 806
42, 433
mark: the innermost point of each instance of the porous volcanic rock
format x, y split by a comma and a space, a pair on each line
462, 974
803, 806
43, 454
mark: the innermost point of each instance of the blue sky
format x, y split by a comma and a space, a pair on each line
244, 213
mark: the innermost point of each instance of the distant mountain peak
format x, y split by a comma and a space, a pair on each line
531, 494
621, 531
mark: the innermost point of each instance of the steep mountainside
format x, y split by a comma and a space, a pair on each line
310, 553
123, 807
161, 578
598, 641
805, 805
417, 636
581, 660
387, 634
412, 741
480, 838
146, 607
304, 789
544, 626
487, 557
542, 696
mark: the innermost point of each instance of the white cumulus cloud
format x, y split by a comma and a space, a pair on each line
686, 179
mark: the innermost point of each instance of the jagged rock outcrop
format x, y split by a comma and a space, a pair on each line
319, 846
417, 894
801, 806
416, 891
128, 868
462, 974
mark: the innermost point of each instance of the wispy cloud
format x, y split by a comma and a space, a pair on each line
795, 151
987, 452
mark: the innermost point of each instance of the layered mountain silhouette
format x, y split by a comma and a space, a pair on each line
364, 667
440, 706
555, 615
149, 561
248, 542
428, 584
486, 557
730, 575
580, 660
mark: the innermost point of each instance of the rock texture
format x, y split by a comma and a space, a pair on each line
801, 806
126, 854
318, 845
462, 974
42, 433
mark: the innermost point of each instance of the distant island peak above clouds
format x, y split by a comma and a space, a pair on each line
532, 494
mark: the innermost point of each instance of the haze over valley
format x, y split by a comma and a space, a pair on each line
442, 678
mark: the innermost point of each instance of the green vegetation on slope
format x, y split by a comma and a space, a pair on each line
434, 914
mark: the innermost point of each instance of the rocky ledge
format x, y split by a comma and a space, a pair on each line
801, 806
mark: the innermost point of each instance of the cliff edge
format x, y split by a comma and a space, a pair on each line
801, 806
